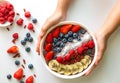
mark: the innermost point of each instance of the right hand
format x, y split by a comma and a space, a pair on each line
52, 20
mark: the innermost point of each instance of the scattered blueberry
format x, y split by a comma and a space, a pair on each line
70, 39
61, 35
70, 33
58, 43
82, 31
62, 44
23, 42
75, 35
30, 39
55, 40
59, 49
26, 39
66, 36
22, 81
17, 62
27, 49
34, 20
78, 38
30, 66
28, 34
9, 76
64, 40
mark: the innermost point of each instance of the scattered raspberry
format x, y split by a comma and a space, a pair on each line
59, 59
20, 21
27, 14
30, 79
30, 26
15, 35
49, 55
18, 74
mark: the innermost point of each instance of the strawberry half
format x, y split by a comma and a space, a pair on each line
49, 55
18, 74
75, 28
65, 28
56, 32
48, 47
29, 79
49, 38
13, 49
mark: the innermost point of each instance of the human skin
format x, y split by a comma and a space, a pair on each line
102, 34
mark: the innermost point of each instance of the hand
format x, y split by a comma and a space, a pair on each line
52, 20
101, 42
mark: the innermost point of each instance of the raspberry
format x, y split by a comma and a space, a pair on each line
12, 13
20, 21
72, 52
91, 44
27, 14
15, 35
80, 50
59, 59
30, 26
67, 57
10, 19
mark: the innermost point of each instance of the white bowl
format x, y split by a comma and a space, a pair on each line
60, 75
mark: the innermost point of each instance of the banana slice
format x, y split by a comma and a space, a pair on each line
62, 69
68, 70
80, 66
54, 65
88, 58
85, 63
75, 69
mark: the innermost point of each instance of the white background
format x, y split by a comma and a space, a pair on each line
90, 13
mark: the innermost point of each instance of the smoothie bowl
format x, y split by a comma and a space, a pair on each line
68, 50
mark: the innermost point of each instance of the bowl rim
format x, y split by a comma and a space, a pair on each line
60, 75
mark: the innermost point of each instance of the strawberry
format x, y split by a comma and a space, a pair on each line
72, 52
67, 57
49, 38
48, 47
65, 28
18, 74
30, 26
15, 35
80, 50
20, 21
29, 79
59, 59
56, 32
75, 28
49, 55
27, 14
91, 44
13, 49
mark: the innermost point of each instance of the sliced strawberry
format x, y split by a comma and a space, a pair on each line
91, 44
49, 55
48, 47
13, 49
80, 50
30, 79
20, 21
65, 28
59, 59
49, 38
18, 74
75, 28
56, 32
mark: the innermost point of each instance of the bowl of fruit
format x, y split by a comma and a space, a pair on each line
68, 50
7, 13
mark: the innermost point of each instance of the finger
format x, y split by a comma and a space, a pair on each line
86, 74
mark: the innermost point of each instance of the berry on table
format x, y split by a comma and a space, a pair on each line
30, 66
30, 79
28, 34
27, 49
18, 74
13, 49
30, 39
27, 14
30, 26
26, 38
22, 81
9, 76
15, 35
20, 22
34, 20
23, 42
17, 62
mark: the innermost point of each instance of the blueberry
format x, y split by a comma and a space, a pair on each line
27, 49
75, 35
28, 34
59, 49
54, 50
22, 81
66, 36
30, 66
82, 31
58, 43
53, 44
59, 39
34, 20
70, 33
26, 39
70, 39
55, 57
55, 40
78, 38
17, 62
64, 40
23, 42
9, 76
30, 39
62, 44
61, 35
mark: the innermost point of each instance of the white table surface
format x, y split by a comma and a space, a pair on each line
90, 13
